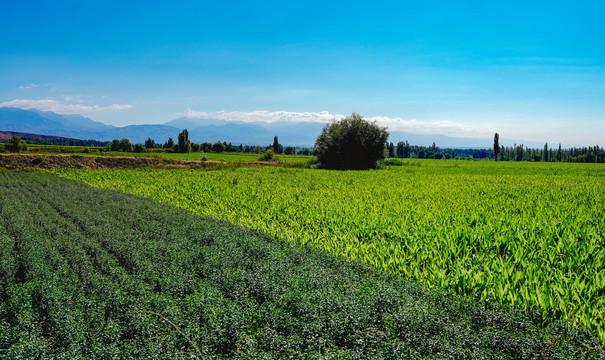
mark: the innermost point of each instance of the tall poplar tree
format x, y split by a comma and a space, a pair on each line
496, 145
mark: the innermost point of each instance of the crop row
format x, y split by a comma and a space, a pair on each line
89, 273
530, 235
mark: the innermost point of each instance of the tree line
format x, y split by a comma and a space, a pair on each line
184, 145
590, 154
403, 150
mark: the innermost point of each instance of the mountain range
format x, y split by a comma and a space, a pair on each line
301, 134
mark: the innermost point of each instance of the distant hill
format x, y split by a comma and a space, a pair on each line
79, 127
212, 130
7, 135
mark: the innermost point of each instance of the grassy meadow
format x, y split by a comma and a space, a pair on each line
525, 234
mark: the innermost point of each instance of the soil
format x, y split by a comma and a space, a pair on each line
36, 161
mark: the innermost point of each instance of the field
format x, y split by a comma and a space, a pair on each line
158, 153
525, 234
90, 273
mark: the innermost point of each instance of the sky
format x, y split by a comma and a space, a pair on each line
532, 70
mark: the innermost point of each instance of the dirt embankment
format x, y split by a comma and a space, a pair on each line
34, 161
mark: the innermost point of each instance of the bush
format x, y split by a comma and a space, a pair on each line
268, 155
351, 143
39, 160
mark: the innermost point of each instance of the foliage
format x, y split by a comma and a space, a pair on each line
184, 145
150, 143
63, 141
496, 146
139, 148
169, 144
123, 145
218, 147
268, 155
527, 234
351, 143
88, 273
15, 144
276, 145
205, 147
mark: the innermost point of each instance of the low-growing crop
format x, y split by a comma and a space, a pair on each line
525, 234
90, 273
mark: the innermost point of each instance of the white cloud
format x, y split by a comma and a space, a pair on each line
28, 86
263, 116
414, 126
61, 108
445, 127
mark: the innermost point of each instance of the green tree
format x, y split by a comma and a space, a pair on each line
125, 145
206, 146
496, 146
546, 152
139, 148
275, 145
16, 144
289, 150
184, 145
218, 147
520, 153
169, 144
115, 145
351, 143
149, 143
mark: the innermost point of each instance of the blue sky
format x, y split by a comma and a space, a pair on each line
529, 70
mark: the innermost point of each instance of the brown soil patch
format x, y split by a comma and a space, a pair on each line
35, 161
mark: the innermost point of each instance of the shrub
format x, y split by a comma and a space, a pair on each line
268, 155
351, 143
39, 160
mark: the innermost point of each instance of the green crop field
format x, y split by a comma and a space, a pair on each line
91, 273
527, 234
